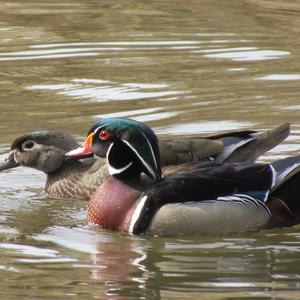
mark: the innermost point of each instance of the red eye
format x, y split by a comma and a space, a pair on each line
104, 135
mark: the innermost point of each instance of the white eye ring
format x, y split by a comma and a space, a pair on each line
29, 145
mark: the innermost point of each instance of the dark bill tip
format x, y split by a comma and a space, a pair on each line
8, 163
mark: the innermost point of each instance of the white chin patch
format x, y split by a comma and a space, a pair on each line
113, 171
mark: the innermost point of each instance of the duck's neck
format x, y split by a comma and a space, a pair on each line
112, 204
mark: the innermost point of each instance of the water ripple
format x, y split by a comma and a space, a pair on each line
250, 55
29, 250
48, 56
128, 113
280, 77
79, 239
103, 91
126, 43
190, 128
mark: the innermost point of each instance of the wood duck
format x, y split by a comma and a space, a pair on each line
194, 198
44, 151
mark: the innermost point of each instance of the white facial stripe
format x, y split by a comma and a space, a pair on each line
153, 156
141, 159
137, 213
111, 169
100, 127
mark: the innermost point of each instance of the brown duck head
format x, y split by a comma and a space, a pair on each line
41, 150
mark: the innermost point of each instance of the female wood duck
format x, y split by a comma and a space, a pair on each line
197, 198
44, 151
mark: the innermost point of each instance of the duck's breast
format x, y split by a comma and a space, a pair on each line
111, 203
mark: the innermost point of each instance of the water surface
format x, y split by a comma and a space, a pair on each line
184, 68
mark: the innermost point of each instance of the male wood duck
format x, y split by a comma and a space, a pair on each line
200, 198
44, 151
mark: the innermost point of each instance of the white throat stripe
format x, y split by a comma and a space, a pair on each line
152, 152
137, 213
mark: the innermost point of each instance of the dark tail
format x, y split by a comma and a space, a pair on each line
257, 144
287, 187
284, 198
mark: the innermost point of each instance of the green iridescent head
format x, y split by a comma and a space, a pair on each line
130, 147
